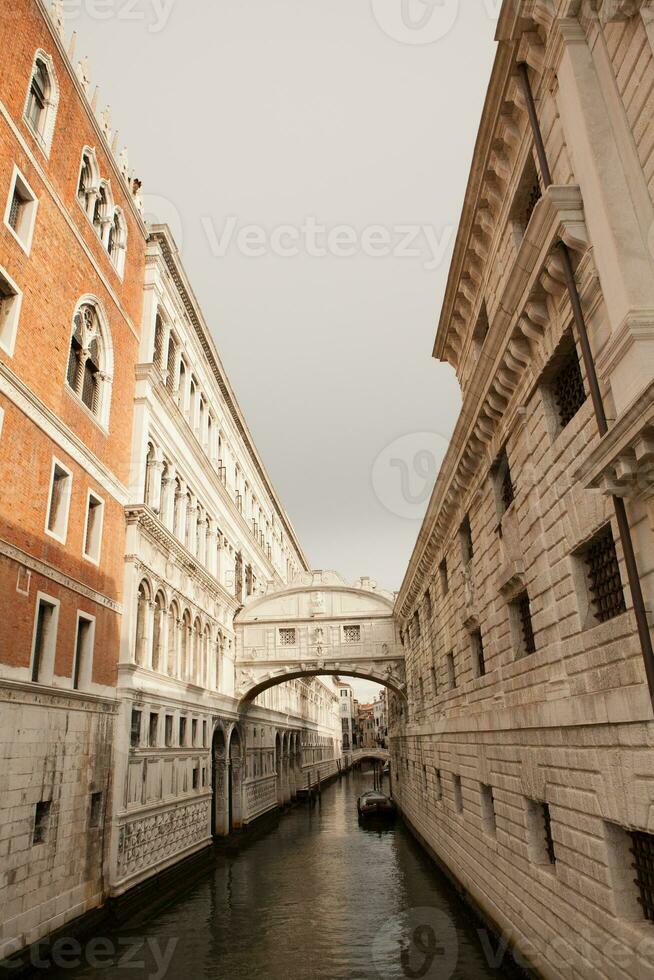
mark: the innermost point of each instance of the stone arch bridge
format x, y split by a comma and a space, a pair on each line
317, 625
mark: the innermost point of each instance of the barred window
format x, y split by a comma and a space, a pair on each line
523, 612
642, 848
465, 533
547, 826
352, 634
603, 572
568, 388
504, 483
479, 661
287, 637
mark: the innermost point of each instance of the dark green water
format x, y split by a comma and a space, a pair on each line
318, 897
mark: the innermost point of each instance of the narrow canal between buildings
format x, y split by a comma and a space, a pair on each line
315, 897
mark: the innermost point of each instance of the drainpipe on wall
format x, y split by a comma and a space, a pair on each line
596, 397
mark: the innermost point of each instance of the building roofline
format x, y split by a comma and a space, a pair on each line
162, 235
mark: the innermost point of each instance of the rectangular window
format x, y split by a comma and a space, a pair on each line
41, 822
287, 637
416, 625
642, 849
434, 681
488, 817
61, 483
153, 729
567, 386
182, 731
439, 785
421, 685
168, 730
522, 626
352, 634
83, 663
93, 527
196, 777
465, 535
20, 214
194, 731
603, 576
45, 639
451, 671
135, 728
539, 828
428, 607
478, 661
204, 733
504, 488
95, 815
442, 571
458, 793
10, 300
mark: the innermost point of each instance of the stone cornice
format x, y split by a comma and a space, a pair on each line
622, 462
166, 540
161, 235
28, 692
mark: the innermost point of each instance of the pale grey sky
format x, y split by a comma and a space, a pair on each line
309, 113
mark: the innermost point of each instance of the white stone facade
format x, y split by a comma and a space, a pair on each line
524, 760
205, 531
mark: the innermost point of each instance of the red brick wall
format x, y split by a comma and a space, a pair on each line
66, 261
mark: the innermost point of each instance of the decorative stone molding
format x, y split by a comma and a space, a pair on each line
622, 463
149, 840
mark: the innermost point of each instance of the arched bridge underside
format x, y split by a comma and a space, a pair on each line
317, 625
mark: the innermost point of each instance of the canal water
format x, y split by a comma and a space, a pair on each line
315, 897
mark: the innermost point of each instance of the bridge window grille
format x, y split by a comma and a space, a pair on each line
568, 388
604, 580
287, 637
642, 849
352, 634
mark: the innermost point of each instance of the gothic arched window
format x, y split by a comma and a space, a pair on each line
87, 369
42, 100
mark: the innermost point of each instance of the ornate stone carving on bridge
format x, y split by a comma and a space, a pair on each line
279, 641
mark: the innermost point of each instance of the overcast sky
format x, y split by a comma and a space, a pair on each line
299, 149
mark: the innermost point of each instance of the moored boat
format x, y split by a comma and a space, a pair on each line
375, 804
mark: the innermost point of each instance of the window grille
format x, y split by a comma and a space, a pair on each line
352, 634
478, 648
466, 541
524, 611
41, 821
287, 637
604, 577
549, 840
534, 197
568, 387
15, 209
642, 848
507, 491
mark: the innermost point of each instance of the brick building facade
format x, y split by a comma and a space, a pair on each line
72, 249
524, 757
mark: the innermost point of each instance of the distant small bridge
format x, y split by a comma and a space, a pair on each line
380, 755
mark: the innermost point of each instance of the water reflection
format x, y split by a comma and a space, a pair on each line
318, 896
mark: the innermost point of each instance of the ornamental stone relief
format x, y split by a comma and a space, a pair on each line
145, 842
